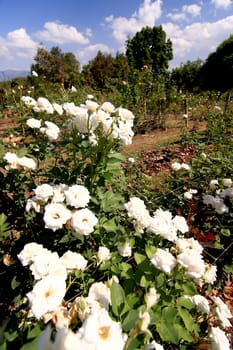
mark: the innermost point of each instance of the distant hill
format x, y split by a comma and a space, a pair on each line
11, 74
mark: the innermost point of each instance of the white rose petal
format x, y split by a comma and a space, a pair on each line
56, 215
83, 221
163, 260
72, 261
47, 295
77, 196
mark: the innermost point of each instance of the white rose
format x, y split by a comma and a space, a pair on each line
201, 303
144, 321
56, 215
108, 107
227, 182
163, 260
43, 192
27, 163
103, 254
151, 298
72, 261
83, 221
193, 263
210, 273
222, 311
33, 123
213, 184
176, 166
47, 263
29, 251
219, 339
125, 250
102, 332
77, 196
47, 295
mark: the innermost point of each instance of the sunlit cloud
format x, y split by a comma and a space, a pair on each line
186, 40
86, 54
185, 13
62, 34
222, 3
146, 15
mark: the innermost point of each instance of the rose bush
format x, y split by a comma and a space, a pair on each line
87, 262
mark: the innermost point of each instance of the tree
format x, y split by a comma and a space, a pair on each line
56, 66
217, 71
186, 77
99, 70
121, 68
149, 47
105, 70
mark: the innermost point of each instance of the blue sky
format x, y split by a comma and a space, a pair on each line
196, 28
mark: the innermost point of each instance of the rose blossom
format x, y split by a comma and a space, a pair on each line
77, 196
47, 295
56, 215
73, 261
83, 221
103, 254
163, 260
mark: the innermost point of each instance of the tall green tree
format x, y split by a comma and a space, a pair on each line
186, 76
105, 70
99, 70
217, 71
56, 66
149, 47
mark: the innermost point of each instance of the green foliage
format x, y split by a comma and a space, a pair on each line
217, 71
149, 47
126, 277
186, 76
56, 66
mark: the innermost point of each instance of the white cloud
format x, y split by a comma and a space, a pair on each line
194, 10
4, 51
17, 44
197, 40
146, 15
62, 34
89, 52
88, 32
177, 17
20, 39
186, 11
221, 3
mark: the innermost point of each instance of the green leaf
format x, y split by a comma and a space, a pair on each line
185, 302
187, 319
33, 345
34, 332
117, 298
126, 270
150, 251
139, 258
189, 288
14, 283
116, 157
4, 226
11, 336
169, 313
110, 225
133, 345
111, 201
168, 332
130, 320
225, 232
183, 334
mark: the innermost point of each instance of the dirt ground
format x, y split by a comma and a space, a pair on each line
155, 139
